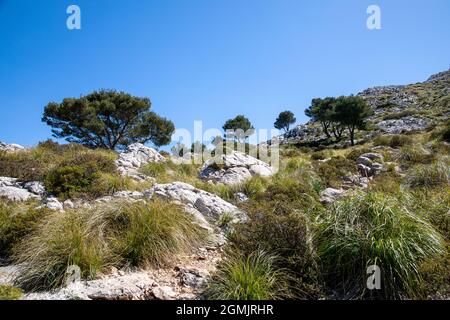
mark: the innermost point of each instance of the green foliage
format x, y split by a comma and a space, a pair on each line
288, 236
332, 171
321, 155
393, 141
375, 229
351, 112
284, 120
16, 222
9, 293
107, 119
240, 128
322, 110
251, 277
88, 174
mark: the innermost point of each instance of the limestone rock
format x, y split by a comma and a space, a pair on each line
234, 168
329, 195
10, 147
136, 156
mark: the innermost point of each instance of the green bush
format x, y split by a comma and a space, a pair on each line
251, 277
332, 171
82, 175
375, 229
16, 222
321, 155
287, 236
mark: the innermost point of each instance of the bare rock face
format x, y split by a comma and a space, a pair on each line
370, 164
15, 190
132, 286
10, 147
136, 156
206, 207
234, 168
406, 124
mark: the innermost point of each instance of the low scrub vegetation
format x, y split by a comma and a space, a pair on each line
251, 277
119, 234
376, 229
9, 293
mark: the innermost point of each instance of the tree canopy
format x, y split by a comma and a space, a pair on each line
337, 114
241, 126
284, 120
107, 119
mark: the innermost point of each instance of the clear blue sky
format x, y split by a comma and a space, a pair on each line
210, 59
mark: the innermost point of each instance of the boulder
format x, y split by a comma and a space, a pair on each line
329, 195
369, 164
206, 208
53, 204
234, 168
136, 156
16, 194
132, 286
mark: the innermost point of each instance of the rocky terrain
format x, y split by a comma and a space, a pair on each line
397, 109
139, 226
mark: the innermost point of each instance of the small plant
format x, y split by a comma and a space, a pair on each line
9, 293
225, 220
16, 222
413, 155
251, 277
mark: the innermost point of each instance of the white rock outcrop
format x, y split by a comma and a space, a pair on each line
206, 207
10, 147
15, 190
234, 168
136, 156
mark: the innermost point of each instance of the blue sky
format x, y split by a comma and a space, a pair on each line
210, 60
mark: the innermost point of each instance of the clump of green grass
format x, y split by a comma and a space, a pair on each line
321, 155
332, 171
393, 141
154, 169
375, 229
413, 155
251, 277
428, 176
150, 233
117, 234
9, 293
16, 222
60, 241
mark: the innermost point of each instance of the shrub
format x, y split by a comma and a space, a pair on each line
287, 236
375, 229
428, 176
9, 293
154, 169
255, 187
251, 277
82, 174
16, 221
332, 171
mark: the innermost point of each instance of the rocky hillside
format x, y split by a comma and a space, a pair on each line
397, 109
